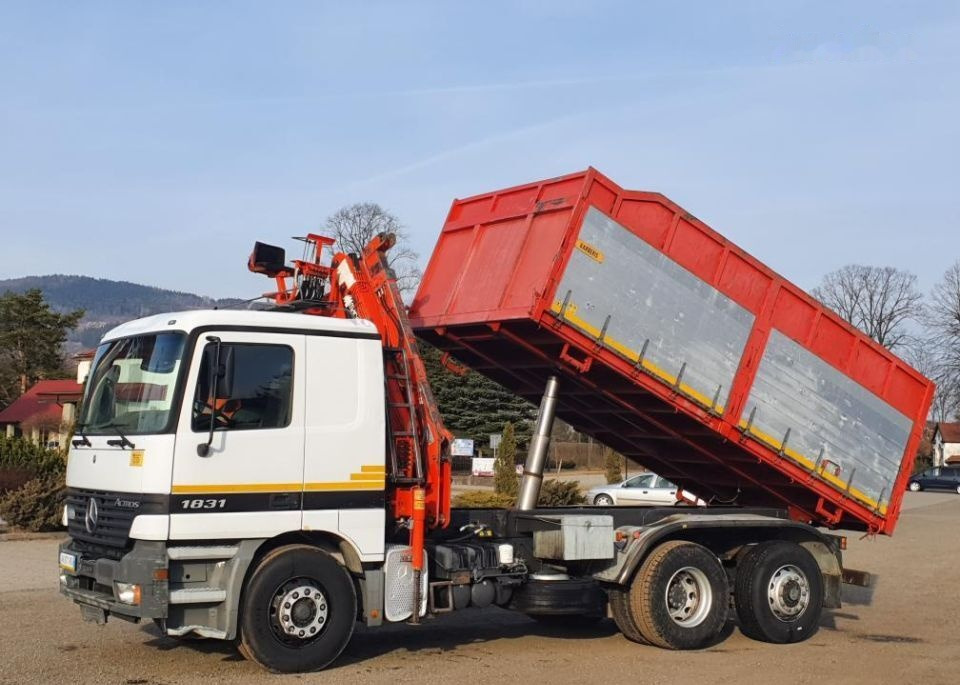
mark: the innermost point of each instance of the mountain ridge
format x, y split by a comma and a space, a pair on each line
107, 302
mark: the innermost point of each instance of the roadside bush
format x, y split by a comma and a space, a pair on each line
553, 493
38, 505
24, 455
558, 493
483, 499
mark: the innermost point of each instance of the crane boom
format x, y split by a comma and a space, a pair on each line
363, 286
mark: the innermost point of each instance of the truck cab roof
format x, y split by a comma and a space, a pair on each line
190, 320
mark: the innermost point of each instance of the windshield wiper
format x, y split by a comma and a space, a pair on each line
83, 441
122, 442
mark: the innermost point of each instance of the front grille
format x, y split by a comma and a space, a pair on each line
113, 522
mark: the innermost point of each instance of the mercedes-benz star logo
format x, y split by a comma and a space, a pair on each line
90, 520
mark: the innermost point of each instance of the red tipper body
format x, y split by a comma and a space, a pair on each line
676, 348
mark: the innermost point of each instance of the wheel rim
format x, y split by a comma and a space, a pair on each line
914, 487
299, 611
603, 500
689, 597
788, 593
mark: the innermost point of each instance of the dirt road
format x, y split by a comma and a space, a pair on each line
908, 634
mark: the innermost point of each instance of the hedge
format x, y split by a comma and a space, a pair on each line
553, 493
35, 478
23, 455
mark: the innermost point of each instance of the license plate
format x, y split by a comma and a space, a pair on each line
68, 562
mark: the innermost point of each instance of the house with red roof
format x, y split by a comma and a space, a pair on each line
946, 443
44, 413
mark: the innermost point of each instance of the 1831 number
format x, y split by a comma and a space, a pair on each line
203, 504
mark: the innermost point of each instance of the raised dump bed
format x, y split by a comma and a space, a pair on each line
676, 348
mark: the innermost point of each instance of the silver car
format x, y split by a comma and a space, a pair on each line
645, 488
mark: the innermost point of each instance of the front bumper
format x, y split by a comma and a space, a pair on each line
93, 584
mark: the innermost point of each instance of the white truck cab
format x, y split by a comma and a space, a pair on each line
297, 444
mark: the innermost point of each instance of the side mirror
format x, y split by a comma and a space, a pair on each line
221, 382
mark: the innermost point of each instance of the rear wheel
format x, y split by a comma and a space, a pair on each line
603, 500
779, 593
678, 599
299, 610
915, 486
958, 489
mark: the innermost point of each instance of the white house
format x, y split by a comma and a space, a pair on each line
946, 444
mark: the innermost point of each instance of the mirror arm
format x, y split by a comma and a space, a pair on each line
203, 449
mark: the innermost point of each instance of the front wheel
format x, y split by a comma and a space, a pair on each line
299, 610
603, 501
678, 599
779, 593
958, 489
915, 487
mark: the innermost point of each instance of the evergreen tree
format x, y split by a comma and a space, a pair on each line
31, 340
472, 405
505, 468
612, 465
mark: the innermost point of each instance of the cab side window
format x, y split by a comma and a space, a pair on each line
251, 388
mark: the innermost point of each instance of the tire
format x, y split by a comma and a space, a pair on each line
958, 489
321, 600
679, 597
620, 609
915, 486
778, 593
574, 599
603, 501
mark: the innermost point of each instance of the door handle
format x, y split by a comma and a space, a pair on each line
646, 492
285, 500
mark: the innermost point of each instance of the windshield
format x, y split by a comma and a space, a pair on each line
131, 385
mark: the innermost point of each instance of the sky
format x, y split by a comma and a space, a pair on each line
155, 142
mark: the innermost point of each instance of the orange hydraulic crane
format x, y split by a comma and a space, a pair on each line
363, 286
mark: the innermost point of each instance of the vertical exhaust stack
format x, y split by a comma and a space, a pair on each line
539, 444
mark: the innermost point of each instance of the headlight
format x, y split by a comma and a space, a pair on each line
128, 593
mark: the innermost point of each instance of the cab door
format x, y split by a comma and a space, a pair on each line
247, 481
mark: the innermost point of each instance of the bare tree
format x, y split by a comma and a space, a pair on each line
880, 301
924, 354
943, 322
354, 226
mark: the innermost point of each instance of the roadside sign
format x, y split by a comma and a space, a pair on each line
461, 447
483, 466
495, 440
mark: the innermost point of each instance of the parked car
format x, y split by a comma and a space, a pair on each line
937, 478
645, 488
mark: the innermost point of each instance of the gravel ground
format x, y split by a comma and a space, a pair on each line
905, 632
